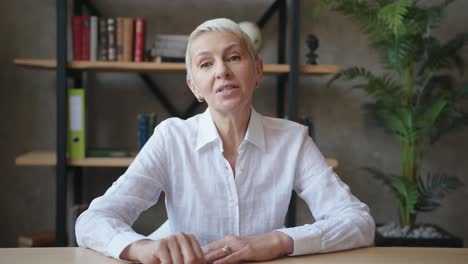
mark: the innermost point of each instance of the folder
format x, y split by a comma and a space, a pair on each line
76, 124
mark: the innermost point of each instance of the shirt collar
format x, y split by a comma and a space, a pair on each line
255, 132
207, 131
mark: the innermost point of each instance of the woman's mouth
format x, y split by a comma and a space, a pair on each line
226, 89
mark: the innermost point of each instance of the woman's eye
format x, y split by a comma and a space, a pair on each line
234, 58
205, 64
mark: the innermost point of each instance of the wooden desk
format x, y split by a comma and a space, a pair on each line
358, 256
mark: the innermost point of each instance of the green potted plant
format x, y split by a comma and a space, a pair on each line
416, 99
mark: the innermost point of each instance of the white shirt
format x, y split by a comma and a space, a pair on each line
184, 159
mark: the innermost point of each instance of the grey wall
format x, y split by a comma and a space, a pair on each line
27, 105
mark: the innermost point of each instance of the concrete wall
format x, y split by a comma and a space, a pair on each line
27, 105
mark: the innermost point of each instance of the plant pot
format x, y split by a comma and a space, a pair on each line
448, 240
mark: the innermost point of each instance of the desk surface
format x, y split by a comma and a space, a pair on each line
377, 255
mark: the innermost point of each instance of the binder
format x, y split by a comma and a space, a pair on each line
76, 124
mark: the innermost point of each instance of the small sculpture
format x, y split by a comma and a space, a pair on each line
312, 43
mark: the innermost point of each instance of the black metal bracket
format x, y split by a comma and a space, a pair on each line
62, 110
293, 91
158, 93
269, 12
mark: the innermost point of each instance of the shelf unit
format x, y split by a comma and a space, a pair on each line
48, 158
286, 72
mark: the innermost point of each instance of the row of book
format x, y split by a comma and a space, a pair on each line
169, 48
77, 148
108, 39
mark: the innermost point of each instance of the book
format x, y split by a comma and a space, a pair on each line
161, 59
171, 41
94, 39
139, 46
167, 52
76, 123
146, 124
143, 124
172, 37
76, 32
85, 37
119, 38
128, 39
309, 122
102, 36
170, 46
38, 239
111, 41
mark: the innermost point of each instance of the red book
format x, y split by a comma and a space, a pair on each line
77, 40
85, 35
139, 40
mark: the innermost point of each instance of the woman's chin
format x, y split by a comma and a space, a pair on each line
231, 106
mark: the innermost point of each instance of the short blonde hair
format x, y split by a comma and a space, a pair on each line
219, 25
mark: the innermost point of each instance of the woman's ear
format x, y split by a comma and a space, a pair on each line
192, 87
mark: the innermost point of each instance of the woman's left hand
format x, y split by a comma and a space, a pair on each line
235, 249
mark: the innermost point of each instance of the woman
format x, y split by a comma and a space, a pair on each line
227, 174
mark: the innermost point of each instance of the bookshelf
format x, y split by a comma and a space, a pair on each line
287, 72
48, 158
162, 67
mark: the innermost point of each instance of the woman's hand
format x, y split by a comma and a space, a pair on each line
178, 248
234, 249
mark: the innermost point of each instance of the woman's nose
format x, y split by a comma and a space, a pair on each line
223, 70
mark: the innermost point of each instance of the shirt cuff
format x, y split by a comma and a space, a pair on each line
307, 239
121, 241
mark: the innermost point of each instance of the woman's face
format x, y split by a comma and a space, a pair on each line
223, 72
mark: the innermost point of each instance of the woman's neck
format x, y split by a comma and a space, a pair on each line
232, 128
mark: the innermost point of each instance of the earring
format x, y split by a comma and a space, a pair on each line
200, 99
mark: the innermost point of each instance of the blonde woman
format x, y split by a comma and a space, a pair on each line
227, 174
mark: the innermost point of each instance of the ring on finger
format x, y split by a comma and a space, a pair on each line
227, 250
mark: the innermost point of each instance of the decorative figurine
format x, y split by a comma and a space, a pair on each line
313, 43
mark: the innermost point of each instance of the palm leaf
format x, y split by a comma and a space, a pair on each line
440, 85
451, 120
378, 87
401, 53
433, 188
351, 74
446, 56
428, 116
407, 192
386, 179
393, 14
400, 121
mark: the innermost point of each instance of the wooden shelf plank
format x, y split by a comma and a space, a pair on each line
162, 67
36, 158
47, 158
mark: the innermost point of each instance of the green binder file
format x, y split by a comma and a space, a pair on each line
76, 124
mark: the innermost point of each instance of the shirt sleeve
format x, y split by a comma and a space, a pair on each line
106, 225
342, 221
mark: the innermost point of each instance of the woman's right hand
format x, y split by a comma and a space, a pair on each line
178, 248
